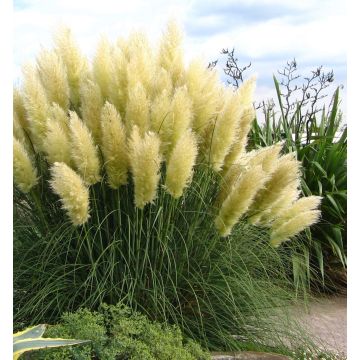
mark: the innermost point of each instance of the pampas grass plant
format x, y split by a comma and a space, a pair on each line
132, 184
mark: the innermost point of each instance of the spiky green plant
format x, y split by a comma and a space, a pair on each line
173, 239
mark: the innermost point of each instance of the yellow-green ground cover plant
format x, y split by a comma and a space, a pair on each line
117, 332
132, 184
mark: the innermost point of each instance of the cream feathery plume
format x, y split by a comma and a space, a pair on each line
290, 194
59, 116
137, 109
293, 226
206, 135
232, 174
91, 105
52, 72
84, 152
18, 131
224, 131
36, 105
246, 92
229, 179
57, 146
119, 81
141, 65
136, 45
266, 157
171, 119
103, 66
123, 45
180, 165
170, 55
24, 172
73, 193
301, 205
203, 87
19, 108
114, 146
160, 110
161, 82
181, 113
238, 146
161, 119
75, 63
286, 172
240, 199
246, 95
246, 119
145, 163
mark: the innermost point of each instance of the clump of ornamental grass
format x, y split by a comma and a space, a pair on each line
133, 184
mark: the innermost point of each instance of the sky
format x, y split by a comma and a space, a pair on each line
266, 32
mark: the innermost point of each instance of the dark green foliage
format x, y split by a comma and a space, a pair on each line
166, 261
116, 332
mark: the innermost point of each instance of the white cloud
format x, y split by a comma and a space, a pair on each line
35, 22
313, 40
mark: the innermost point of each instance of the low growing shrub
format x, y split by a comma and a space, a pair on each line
116, 332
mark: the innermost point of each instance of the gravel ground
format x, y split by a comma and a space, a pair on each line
326, 320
